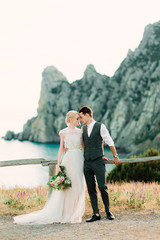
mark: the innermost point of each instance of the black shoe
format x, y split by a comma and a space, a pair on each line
110, 216
94, 218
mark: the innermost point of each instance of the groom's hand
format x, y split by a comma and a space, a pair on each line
107, 159
116, 161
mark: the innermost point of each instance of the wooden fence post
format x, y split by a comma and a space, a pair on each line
52, 172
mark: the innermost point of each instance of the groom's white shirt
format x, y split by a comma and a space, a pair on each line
103, 132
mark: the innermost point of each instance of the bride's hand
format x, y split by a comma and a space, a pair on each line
58, 169
66, 150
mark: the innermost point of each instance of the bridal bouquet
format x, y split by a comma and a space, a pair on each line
60, 181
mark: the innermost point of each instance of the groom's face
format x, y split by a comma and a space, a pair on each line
83, 118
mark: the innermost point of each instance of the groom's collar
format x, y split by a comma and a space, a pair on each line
92, 123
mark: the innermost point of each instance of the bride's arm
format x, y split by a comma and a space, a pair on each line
60, 152
82, 146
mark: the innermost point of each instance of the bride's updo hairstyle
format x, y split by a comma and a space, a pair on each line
69, 116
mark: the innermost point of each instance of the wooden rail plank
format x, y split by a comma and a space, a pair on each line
22, 162
49, 162
45, 162
135, 160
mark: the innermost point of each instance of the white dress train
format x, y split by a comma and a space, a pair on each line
65, 206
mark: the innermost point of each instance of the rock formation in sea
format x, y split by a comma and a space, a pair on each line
128, 103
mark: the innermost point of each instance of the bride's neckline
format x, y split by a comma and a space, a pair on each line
72, 128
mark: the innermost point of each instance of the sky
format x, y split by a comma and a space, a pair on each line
68, 34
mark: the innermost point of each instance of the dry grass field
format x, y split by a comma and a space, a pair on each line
123, 196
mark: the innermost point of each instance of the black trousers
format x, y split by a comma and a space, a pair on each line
95, 170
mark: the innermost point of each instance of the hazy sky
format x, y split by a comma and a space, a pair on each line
69, 34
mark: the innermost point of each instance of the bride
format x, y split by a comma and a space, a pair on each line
65, 206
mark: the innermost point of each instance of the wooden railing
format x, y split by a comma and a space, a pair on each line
45, 162
52, 163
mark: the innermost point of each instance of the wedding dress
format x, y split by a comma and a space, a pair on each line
65, 206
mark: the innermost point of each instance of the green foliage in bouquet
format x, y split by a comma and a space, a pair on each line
143, 171
60, 181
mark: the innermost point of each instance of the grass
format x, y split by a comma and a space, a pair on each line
123, 196
134, 195
21, 200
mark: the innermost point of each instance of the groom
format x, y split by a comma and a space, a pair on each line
94, 133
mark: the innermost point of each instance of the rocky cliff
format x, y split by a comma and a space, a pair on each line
128, 103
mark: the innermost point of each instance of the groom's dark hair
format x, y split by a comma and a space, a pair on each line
85, 110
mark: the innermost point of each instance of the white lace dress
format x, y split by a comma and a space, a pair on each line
66, 206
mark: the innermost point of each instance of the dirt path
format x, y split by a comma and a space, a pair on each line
136, 226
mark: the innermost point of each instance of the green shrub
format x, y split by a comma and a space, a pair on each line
144, 171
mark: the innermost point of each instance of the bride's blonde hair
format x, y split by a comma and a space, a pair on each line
69, 115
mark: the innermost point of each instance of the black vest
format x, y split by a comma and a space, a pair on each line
93, 145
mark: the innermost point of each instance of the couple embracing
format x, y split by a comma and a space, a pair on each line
67, 206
